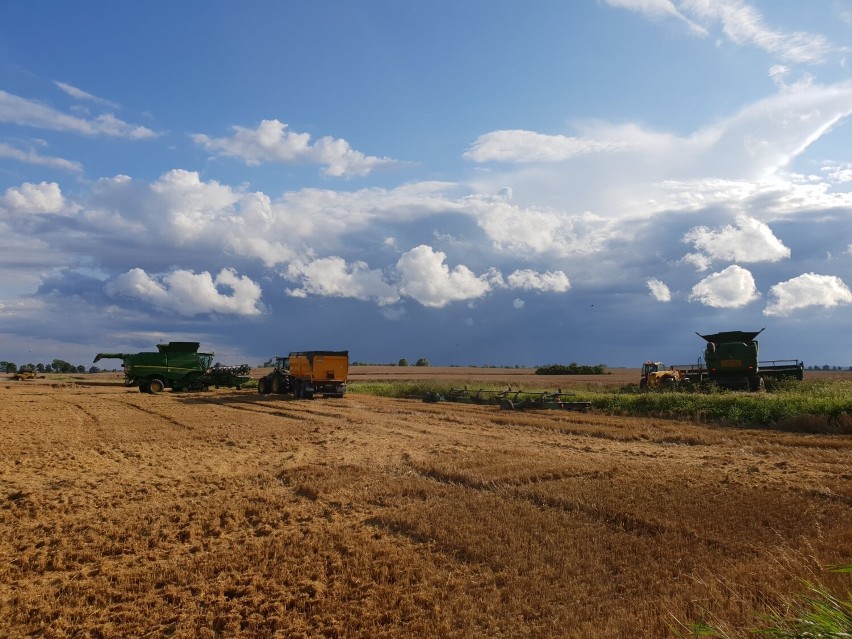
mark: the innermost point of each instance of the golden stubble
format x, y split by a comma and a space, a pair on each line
227, 514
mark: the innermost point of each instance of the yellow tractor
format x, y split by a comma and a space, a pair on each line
656, 376
24, 373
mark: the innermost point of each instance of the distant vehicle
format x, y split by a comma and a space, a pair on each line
176, 365
24, 374
308, 373
655, 375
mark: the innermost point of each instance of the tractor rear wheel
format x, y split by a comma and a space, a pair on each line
262, 386
276, 385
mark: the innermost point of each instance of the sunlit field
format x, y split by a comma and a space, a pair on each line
229, 514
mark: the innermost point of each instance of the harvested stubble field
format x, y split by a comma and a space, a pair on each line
228, 514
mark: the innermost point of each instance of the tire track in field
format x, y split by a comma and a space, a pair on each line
92, 416
154, 413
275, 412
612, 519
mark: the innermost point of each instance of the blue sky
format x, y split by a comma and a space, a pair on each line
481, 182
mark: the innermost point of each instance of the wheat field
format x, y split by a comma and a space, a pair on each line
228, 514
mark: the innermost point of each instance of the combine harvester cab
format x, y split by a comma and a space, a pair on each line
308, 373
176, 365
731, 358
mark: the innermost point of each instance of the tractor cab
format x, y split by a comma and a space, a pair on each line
651, 367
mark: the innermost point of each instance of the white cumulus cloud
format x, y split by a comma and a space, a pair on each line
426, 278
733, 287
45, 197
808, 289
530, 280
187, 293
659, 290
272, 141
748, 240
331, 276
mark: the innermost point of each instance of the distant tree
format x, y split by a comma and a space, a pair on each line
94, 369
11, 368
422, 362
47, 368
572, 369
61, 366
80, 368
40, 368
825, 367
403, 362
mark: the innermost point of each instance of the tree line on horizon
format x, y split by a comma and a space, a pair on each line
56, 366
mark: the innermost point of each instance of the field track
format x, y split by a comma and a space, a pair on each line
228, 514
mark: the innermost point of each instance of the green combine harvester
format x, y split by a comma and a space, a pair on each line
731, 361
178, 366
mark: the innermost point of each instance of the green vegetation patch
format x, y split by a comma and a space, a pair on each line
818, 406
572, 369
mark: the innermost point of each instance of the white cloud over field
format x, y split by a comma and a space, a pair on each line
272, 141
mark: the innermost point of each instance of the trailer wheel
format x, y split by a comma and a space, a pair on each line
155, 386
297, 389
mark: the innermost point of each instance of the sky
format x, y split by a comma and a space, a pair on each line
486, 182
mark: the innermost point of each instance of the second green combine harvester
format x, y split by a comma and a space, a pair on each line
176, 365
730, 361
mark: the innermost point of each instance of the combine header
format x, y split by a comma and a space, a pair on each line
510, 399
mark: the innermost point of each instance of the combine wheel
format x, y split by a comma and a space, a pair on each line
262, 386
156, 386
143, 387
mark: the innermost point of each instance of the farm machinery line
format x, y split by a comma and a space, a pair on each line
509, 399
